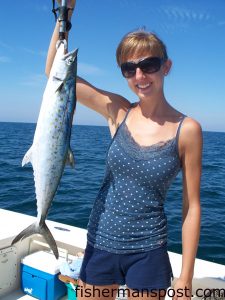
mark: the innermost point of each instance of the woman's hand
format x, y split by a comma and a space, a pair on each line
183, 289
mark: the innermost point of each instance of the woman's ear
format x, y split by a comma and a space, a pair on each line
167, 66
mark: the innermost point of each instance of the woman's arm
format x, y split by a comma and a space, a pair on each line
110, 105
55, 36
191, 149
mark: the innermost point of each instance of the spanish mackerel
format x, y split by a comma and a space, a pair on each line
51, 150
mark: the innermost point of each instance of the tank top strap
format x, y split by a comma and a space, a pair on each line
120, 125
126, 115
179, 126
123, 121
178, 130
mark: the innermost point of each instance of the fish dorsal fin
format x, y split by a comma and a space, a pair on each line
70, 158
27, 157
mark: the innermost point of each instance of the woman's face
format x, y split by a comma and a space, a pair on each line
145, 84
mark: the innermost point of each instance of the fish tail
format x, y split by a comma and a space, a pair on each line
44, 231
49, 239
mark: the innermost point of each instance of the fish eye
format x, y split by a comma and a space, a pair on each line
70, 60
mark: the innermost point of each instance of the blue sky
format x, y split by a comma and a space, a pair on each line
194, 32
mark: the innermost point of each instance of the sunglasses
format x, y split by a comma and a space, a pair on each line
148, 65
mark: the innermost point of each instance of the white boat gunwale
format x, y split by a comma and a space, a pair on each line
207, 275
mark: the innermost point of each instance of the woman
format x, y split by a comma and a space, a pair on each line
151, 142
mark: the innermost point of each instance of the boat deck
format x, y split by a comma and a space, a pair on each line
207, 275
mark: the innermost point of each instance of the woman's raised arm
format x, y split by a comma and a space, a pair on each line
55, 36
110, 105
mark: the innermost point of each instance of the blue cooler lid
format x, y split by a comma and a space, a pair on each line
43, 261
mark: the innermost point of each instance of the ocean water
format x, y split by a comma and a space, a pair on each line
78, 187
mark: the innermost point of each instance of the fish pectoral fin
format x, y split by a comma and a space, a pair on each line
27, 157
59, 88
59, 79
70, 158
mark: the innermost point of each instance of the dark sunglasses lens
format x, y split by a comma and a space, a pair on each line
150, 65
128, 69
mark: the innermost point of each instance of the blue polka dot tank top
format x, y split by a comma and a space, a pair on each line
128, 214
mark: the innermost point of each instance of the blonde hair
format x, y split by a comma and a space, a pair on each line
140, 42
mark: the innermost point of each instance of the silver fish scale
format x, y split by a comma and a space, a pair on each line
55, 130
51, 145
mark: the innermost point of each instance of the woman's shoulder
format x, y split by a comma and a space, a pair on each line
190, 133
190, 125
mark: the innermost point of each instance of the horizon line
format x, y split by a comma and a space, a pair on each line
23, 122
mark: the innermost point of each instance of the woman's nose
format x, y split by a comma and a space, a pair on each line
139, 73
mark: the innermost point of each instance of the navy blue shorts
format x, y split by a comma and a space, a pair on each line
145, 270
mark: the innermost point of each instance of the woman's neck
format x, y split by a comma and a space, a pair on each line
154, 107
